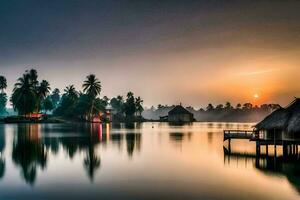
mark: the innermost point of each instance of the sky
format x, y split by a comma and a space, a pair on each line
167, 52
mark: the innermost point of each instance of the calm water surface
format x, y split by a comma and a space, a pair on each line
139, 161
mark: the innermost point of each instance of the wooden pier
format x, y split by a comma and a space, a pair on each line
239, 134
287, 145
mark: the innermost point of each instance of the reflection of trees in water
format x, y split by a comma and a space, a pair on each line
288, 166
2, 167
91, 162
180, 136
133, 142
52, 144
128, 125
2, 147
209, 137
117, 139
28, 151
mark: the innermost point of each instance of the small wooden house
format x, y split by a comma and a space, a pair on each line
180, 115
282, 124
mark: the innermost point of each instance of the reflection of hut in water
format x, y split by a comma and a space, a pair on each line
287, 166
177, 136
180, 115
284, 123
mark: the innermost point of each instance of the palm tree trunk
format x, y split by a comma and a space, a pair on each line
91, 112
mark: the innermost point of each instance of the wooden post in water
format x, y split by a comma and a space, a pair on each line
257, 148
294, 149
284, 148
274, 144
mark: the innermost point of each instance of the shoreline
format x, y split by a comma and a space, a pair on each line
63, 121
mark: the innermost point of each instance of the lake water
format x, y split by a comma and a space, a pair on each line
139, 161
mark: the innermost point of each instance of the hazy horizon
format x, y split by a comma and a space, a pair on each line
194, 52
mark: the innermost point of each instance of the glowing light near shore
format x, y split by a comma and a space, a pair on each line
256, 96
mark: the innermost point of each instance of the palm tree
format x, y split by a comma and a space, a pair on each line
55, 97
33, 75
71, 92
3, 83
44, 89
92, 86
24, 95
139, 105
129, 105
3, 101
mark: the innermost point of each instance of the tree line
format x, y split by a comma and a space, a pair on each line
33, 96
220, 112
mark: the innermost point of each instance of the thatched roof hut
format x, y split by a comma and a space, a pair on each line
287, 119
179, 110
294, 123
276, 120
180, 114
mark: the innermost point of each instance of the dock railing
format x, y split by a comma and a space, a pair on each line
239, 134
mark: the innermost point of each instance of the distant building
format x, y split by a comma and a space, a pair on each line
104, 116
109, 112
179, 114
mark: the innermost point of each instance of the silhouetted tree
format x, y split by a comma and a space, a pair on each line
210, 107
247, 106
117, 103
3, 101
33, 78
24, 98
228, 106
92, 87
129, 105
47, 104
68, 102
28, 94
3, 96
42, 91
139, 106
55, 97
219, 107
3, 83
71, 92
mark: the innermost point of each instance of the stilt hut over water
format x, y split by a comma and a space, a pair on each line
282, 124
180, 115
